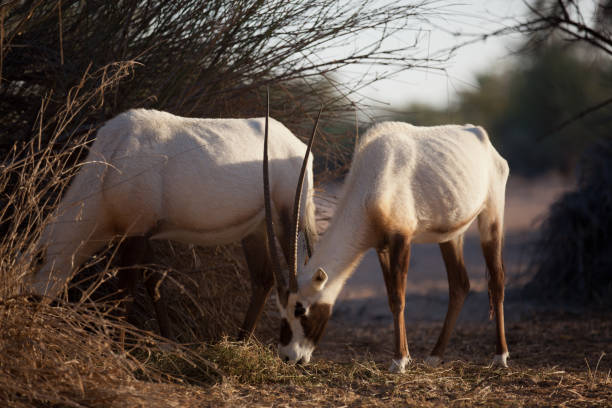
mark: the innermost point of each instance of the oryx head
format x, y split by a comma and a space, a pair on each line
303, 316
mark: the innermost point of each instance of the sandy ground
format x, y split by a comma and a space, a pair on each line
364, 296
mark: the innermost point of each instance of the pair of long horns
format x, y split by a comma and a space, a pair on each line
281, 285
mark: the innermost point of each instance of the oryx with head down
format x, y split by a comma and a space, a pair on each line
154, 175
407, 184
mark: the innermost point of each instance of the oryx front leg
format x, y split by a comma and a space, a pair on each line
458, 289
135, 251
262, 279
394, 260
257, 254
152, 282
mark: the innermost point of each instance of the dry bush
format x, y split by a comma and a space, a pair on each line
79, 353
35, 174
572, 260
199, 58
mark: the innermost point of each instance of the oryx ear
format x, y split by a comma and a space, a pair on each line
319, 279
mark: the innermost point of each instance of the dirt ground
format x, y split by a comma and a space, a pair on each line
555, 360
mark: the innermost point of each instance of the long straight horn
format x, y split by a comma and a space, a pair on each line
293, 286
281, 285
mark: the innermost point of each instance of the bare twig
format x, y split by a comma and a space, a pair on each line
577, 117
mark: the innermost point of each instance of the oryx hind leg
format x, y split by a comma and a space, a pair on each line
490, 224
394, 257
458, 289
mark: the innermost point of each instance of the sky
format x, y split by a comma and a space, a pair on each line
439, 87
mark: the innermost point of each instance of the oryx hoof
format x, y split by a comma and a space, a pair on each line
399, 366
500, 360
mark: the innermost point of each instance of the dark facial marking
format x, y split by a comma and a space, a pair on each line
285, 332
314, 324
299, 310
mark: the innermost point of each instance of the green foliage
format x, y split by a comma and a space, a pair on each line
522, 108
552, 86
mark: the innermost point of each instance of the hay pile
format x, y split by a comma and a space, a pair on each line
572, 259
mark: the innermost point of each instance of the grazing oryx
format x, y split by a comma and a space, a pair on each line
407, 184
153, 175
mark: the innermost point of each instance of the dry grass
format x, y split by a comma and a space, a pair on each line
350, 369
62, 356
71, 355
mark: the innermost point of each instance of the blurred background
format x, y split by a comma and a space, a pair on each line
536, 74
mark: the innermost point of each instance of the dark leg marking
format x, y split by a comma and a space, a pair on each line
255, 249
492, 251
394, 259
135, 251
129, 256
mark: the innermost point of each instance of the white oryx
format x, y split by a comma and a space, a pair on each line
154, 175
407, 184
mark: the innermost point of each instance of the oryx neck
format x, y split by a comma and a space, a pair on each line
339, 252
